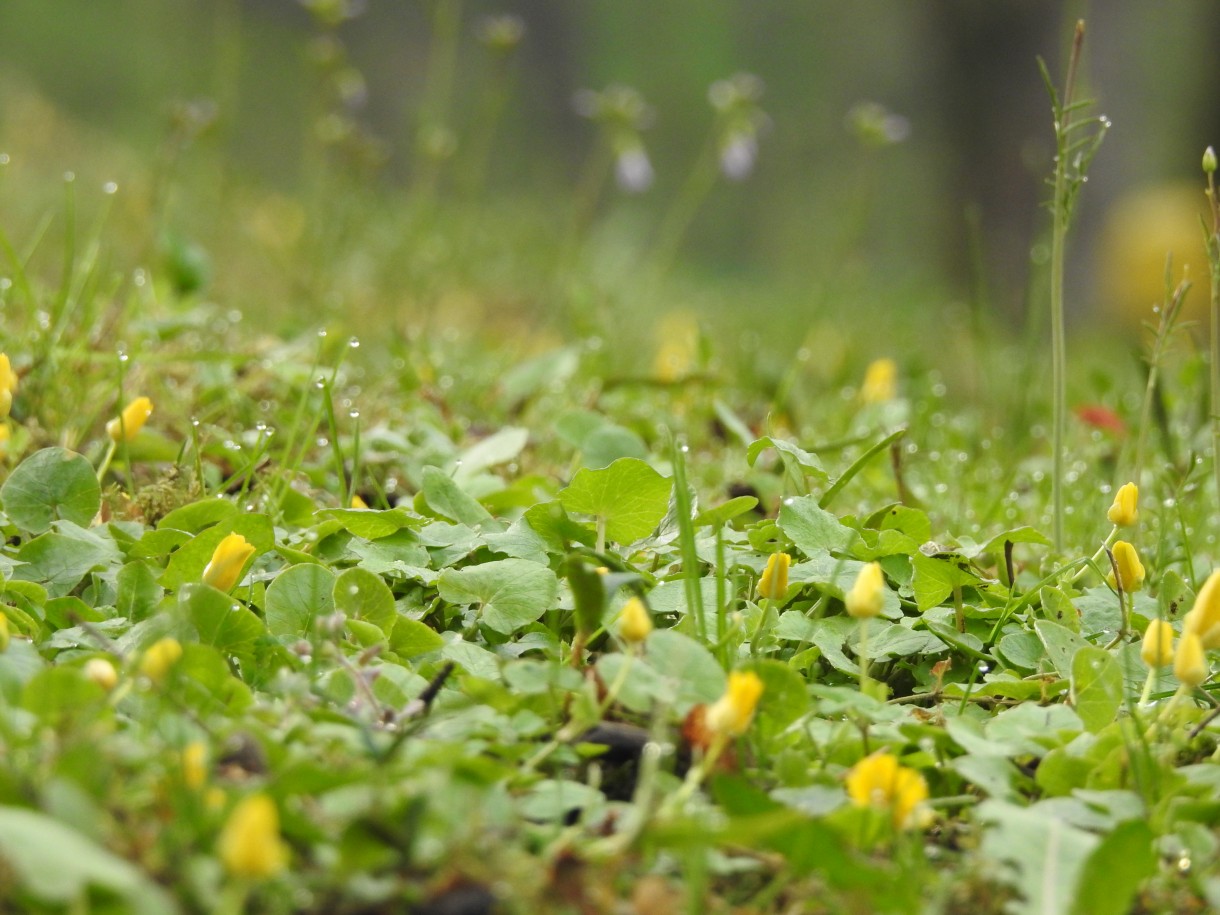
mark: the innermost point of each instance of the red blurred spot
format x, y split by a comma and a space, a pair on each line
1103, 418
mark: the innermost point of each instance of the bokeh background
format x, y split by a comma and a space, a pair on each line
396, 158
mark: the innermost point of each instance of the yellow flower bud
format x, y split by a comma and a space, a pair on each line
101, 672
129, 423
1157, 646
634, 623
159, 657
5, 434
880, 381
4, 634
195, 764
228, 560
731, 714
1204, 616
774, 582
250, 846
1125, 510
8, 385
880, 781
1130, 569
358, 502
867, 595
1189, 663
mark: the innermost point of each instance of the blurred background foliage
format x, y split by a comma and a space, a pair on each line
454, 162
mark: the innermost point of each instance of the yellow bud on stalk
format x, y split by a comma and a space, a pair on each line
867, 595
4, 633
250, 846
1204, 616
101, 672
8, 385
228, 560
1189, 663
1125, 510
880, 781
1130, 569
774, 582
1156, 649
731, 714
129, 423
634, 622
880, 381
195, 764
159, 657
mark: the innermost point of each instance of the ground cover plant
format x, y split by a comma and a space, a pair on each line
315, 622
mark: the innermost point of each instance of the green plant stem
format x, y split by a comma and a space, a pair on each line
1213, 259
1061, 210
862, 656
1146, 695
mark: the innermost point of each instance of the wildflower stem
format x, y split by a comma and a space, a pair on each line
1213, 261
1146, 695
862, 656
106, 459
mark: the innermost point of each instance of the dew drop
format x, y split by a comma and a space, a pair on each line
110, 188
354, 343
69, 177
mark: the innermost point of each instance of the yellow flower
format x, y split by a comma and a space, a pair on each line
129, 423
228, 559
867, 595
1126, 508
358, 502
880, 381
1157, 647
159, 657
101, 672
4, 636
1130, 569
879, 781
731, 714
5, 434
8, 385
678, 346
1204, 616
1189, 664
634, 623
250, 846
774, 582
195, 764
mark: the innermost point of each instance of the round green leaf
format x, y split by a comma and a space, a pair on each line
297, 597
629, 496
510, 592
53, 484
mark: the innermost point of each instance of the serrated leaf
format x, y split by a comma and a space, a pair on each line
1046, 855
445, 497
1097, 687
29, 840
796, 460
934, 580
722, 514
1061, 645
53, 484
510, 593
1114, 871
812, 528
629, 496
